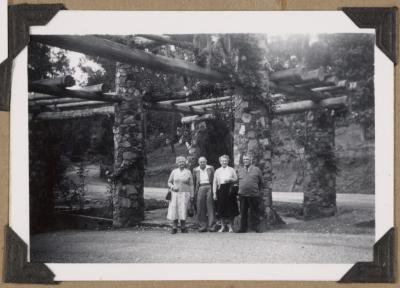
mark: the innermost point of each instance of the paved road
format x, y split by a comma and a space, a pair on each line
354, 200
158, 246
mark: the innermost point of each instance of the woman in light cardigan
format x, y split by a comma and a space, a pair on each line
227, 207
180, 183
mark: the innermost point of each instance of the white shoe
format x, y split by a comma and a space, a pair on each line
222, 229
230, 229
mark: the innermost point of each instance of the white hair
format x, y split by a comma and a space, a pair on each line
180, 158
202, 157
224, 156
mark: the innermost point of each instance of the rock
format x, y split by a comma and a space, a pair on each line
125, 144
246, 118
267, 155
242, 130
252, 145
264, 142
262, 121
125, 202
251, 134
129, 155
131, 190
129, 120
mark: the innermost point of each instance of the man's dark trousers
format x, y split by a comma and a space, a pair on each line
252, 204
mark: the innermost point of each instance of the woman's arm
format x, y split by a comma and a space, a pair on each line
215, 183
171, 180
191, 184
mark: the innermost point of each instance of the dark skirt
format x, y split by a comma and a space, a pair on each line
227, 206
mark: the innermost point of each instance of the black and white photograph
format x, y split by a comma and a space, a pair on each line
202, 147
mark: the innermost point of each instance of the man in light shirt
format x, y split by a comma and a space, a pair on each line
203, 178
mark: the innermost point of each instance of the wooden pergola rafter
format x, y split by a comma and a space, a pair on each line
96, 46
313, 87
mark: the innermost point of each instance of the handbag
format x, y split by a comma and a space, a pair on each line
169, 195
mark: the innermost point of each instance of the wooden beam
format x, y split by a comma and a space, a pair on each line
296, 92
284, 109
61, 92
298, 75
98, 88
301, 106
62, 82
173, 108
172, 101
164, 39
330, 89
329, 81
55, 101
84, 113
212, 105
86, 104
131, 41
32, 96
97, 46
158, 97
196, 118
204, 101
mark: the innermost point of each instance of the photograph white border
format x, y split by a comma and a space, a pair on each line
161, 22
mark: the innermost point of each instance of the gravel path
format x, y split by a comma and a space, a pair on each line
156, 245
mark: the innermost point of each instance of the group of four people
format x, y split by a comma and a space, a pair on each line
215, 194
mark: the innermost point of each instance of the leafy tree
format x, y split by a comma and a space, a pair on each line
352, 58
45, 62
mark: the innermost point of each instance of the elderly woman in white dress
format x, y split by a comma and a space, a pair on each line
180, 183
227, 208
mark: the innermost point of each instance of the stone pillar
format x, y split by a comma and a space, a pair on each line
252, 134
128, 201
320, 177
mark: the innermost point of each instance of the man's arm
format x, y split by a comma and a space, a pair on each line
194, 178
261, 184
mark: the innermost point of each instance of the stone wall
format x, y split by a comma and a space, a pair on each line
128, 201
321, 170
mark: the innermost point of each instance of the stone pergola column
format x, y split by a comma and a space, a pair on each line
320, 177
128, 201
252, 134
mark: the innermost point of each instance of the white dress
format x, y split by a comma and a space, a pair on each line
178, 205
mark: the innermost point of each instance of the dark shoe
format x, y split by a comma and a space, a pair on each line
174, 230
184, 230
212, 229
203, 230
241, 231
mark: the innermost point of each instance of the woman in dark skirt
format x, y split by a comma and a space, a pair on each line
223, 189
